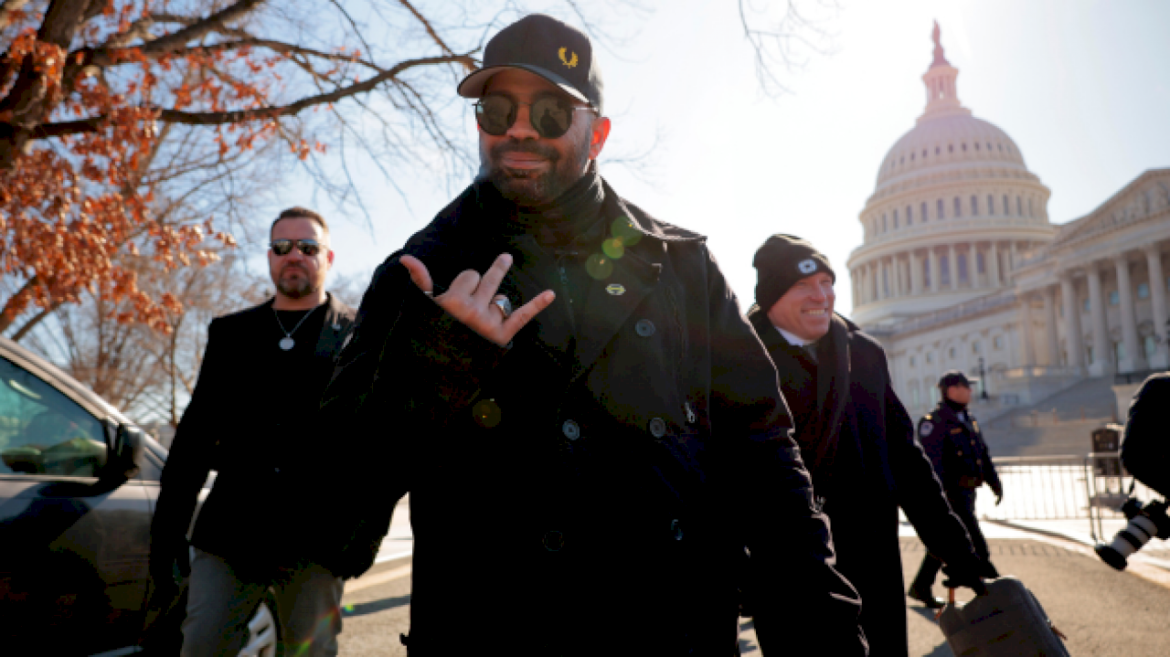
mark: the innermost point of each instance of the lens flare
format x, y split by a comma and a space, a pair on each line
623, 229
599, 266
614, 248
487, 413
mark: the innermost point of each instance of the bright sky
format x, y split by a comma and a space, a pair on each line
1082, 86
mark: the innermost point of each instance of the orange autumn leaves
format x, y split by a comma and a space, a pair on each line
83, 127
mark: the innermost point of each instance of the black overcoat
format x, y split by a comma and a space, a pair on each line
593, 506
859, 443
1145, 452
274, 478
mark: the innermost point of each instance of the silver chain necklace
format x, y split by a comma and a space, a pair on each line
287, 341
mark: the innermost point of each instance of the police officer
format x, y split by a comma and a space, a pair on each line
951, 438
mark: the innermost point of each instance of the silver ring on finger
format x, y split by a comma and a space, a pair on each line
504, 305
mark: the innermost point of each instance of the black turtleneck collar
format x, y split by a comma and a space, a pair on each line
555, 223
955, 406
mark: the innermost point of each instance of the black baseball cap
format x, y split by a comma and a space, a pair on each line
547, 47
953, 378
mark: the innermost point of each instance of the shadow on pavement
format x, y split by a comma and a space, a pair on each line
942, 649
374, 606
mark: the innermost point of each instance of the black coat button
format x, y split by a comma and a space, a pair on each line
644, 328
553, 540
571, 430
657, 427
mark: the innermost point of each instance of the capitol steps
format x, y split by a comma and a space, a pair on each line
1059, 425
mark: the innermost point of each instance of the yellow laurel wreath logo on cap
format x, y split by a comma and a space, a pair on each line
571, 61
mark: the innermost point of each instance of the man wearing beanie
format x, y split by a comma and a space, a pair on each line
951, 438
583, 419
855, 436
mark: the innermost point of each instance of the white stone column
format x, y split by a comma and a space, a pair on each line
935, 270
1026, 332
915, 273
1050, 328
1134, 359
978, 280
993, 265
1161, 359
1072, 322
953, 266
1102, 361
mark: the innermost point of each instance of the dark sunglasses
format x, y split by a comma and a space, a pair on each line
550, 116
284, 247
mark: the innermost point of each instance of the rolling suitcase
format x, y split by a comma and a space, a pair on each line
1007, 621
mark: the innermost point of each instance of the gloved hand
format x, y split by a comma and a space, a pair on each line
998, 490
965, 574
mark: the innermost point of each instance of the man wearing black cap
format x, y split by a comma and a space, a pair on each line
951, 437
582, 417
855, 436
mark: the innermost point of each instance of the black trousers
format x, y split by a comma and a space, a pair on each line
963, 504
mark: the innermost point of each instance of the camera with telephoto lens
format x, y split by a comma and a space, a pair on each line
1145, 522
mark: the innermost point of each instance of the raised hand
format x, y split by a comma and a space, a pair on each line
470, 299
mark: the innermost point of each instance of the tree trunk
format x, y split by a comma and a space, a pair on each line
28, 98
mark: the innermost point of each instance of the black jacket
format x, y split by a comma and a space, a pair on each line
1145, 452
596, 504
273, 476
956, 449
859, 443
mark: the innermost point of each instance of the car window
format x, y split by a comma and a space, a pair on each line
44, 432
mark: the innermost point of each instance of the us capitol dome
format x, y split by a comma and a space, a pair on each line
960, 268
953, 210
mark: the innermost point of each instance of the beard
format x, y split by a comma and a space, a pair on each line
530, 188
295, 288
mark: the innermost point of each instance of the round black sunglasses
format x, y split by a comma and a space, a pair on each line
550, 116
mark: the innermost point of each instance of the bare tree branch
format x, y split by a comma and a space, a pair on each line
222, 118
427, 25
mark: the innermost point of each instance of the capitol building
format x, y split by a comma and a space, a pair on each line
961, 267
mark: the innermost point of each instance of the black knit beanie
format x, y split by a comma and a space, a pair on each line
781, 262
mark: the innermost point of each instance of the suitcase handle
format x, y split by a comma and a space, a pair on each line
950, 601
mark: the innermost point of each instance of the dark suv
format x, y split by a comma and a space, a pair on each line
78, 485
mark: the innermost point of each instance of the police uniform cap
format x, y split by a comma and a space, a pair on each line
953, 378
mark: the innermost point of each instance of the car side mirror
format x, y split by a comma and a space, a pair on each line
125, 453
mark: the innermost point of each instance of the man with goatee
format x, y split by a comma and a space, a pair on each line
588, 429
259, 386
856, 439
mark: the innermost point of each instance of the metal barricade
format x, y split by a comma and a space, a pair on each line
1040, 488
1108, 485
